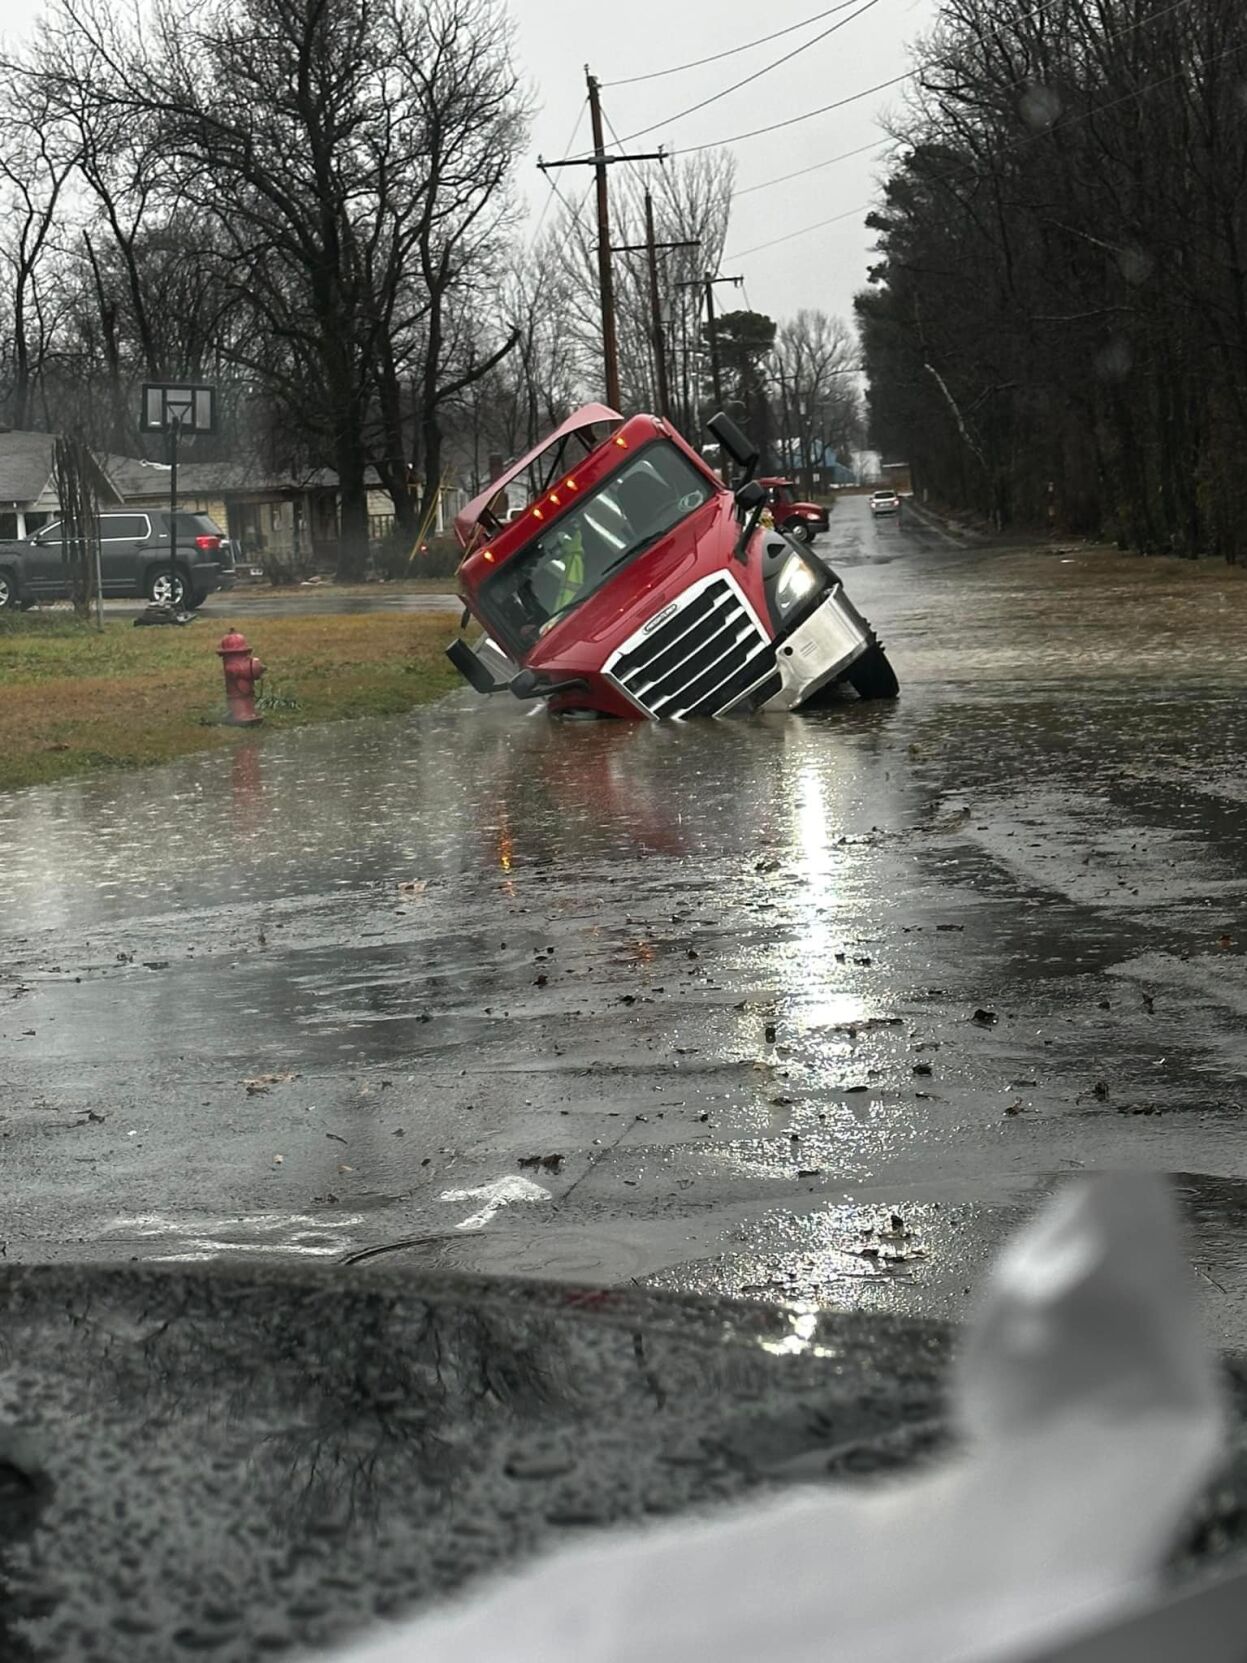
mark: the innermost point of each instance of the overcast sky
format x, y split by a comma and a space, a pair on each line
556, 39
823, 269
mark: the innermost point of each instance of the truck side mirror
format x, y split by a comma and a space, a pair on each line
751, 495
750, 501
470, 667
742, 451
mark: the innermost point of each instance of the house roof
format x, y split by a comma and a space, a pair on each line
27, 468
136, 478
25, 465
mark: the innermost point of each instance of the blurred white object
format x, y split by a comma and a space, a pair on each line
1091, 1419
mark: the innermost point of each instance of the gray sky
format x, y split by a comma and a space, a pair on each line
823, 269
634, 37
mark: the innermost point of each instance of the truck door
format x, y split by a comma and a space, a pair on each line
45, 576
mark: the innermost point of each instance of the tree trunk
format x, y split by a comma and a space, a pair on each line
352, 560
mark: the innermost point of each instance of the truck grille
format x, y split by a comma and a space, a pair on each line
707, 653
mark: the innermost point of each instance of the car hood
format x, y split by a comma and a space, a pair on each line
348, 1441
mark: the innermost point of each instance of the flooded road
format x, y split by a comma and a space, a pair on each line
797, 1008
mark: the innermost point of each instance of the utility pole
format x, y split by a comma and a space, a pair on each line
599, 162
606, 277
657, 334
784, 412
708, 281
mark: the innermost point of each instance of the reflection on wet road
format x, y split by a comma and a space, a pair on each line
796, 1008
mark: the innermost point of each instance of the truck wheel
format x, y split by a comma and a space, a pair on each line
168, 588
799, 530
8, 590
871, 676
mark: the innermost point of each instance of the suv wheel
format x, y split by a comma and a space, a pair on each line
169, 588
799, 530
8, 590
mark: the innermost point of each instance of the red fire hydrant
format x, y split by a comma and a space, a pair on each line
242, 671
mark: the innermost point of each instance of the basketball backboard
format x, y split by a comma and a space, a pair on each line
191, 406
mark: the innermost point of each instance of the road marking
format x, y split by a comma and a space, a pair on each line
495, 1196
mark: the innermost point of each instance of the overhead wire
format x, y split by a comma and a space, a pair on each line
773, 242
550, 178
757, 74
814, 167
732, 51
1032, 138
893, 81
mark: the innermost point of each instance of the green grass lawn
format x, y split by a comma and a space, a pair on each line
73, 700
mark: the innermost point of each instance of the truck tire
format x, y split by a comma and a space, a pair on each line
8, 590
871, 676
798, 529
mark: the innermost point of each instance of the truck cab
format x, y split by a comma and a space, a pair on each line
802, 520
636, 583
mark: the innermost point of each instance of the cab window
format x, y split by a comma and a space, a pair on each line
567, 563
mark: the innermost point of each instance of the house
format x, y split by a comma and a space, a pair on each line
28, 496
289, 516
270, 515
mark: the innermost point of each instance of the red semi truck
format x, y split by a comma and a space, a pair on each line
636, 583
802, 520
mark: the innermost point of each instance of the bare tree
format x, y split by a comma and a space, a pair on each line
323, 157
816, 361
35, 163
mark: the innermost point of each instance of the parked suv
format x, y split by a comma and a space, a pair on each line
134, 560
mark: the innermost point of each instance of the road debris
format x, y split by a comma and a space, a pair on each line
260, 1084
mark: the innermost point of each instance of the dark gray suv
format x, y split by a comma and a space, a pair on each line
134, 560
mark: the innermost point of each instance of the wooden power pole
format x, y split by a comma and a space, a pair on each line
606, 277
657, 334
708, 281
599, 162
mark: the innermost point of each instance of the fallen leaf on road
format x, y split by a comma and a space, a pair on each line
551, 1163
416, 886
985, 1018
262, 1083
336, 1138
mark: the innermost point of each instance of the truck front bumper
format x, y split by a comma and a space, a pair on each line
819, 649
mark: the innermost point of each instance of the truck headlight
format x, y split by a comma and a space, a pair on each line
797, 582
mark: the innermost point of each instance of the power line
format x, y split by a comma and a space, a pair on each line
554, 189
782, 178
793, 121
1033, 138
773, 242
732, 51
908, 75
756, 75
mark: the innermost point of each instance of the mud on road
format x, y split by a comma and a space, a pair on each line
796, 1008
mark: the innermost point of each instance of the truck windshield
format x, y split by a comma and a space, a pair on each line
566, 564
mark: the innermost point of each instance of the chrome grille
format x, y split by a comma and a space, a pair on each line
704, 656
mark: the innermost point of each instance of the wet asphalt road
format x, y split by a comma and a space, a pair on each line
691, 1007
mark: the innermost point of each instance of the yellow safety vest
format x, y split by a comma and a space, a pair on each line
573, 572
